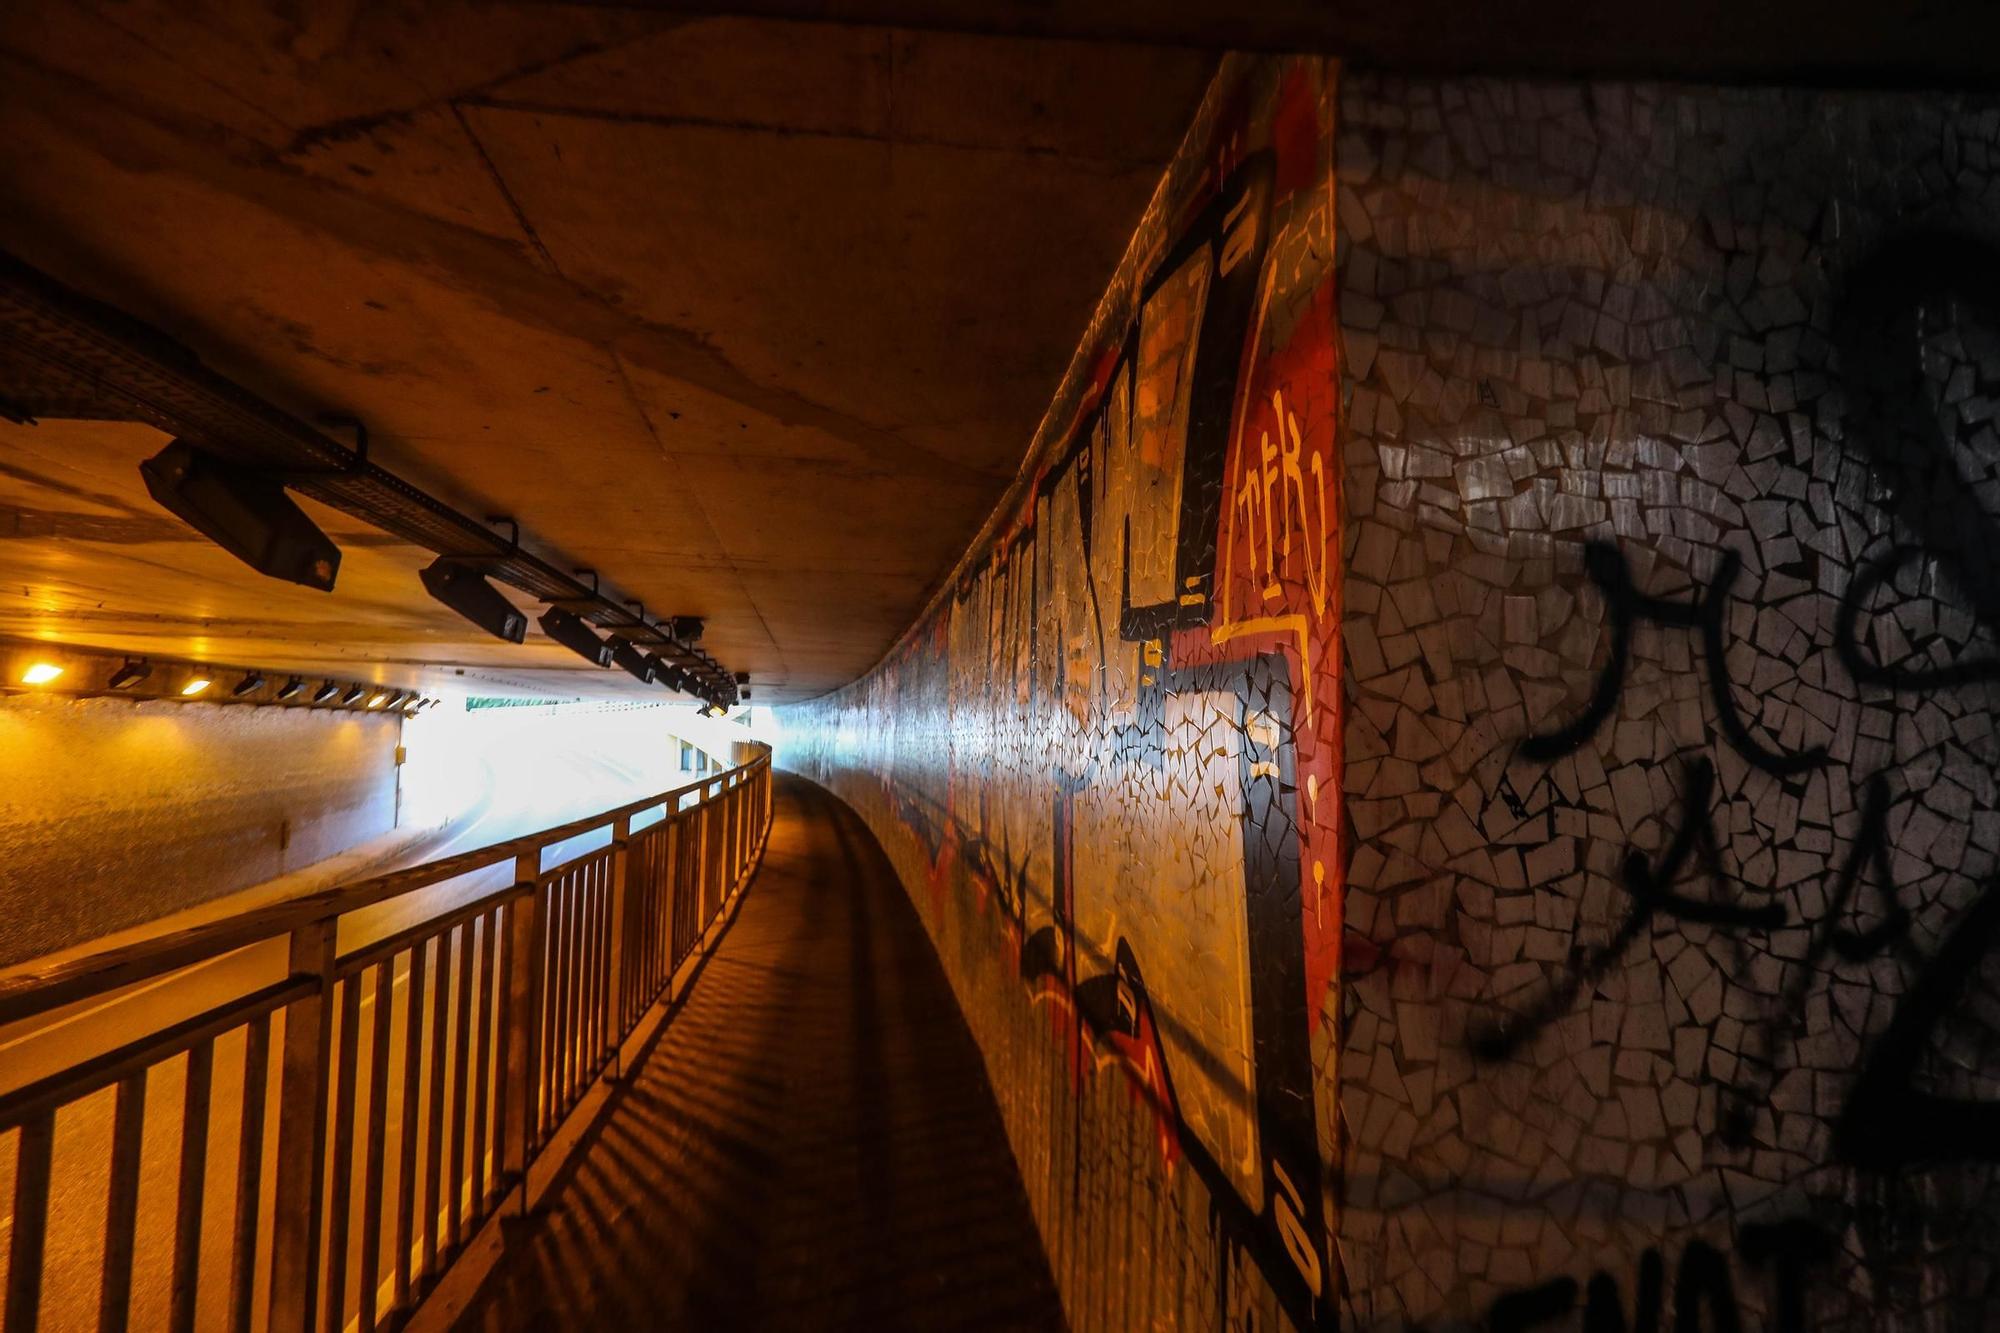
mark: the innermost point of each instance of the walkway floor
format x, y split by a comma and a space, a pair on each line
812, 1143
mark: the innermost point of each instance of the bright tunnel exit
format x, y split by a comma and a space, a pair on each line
495, 769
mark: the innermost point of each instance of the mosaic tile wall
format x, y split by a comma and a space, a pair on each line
1568, 907
1670, 580
1105, 760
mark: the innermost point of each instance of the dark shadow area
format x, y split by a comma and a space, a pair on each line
811, 1144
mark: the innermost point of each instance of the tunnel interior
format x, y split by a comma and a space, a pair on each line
988, 666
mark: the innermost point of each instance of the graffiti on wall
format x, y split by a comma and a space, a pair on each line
1116, 735
1632, 765
1679, 403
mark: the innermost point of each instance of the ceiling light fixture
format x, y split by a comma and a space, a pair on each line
576, 636
250, 684
625, 653
354, 693
41, 673
472, 596
325, 692
246, 513
291, 687
130, 674
194, 687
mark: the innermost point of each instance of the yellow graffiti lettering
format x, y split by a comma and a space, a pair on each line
1241, 226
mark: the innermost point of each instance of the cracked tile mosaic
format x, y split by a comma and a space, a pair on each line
1458, 789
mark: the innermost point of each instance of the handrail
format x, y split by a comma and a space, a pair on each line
26, 992
104, 1070
419, 1076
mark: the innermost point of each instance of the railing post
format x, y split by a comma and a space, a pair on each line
704, 853
299, 1182
735, 835
521, 1075
621, 900
718, 845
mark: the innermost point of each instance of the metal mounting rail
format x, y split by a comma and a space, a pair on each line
64, 355
376, 1102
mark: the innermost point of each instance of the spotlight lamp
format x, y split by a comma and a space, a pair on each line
130, 674
250, 684
325, 692
674, 678
41, 673
291, 688
687, 628
634, 660
353, 695
379, 700
742, 678
247, 514
195, 686
472, 596
576, 636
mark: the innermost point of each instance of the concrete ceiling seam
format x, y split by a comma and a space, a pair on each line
639, 279
469, 261
715, 536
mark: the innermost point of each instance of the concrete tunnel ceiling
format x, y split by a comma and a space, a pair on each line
755, 318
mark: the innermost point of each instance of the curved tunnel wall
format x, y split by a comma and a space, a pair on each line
1458, 789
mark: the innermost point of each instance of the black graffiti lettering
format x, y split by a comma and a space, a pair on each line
1790, 1248
1627, 607
1704, 1292
1847, 637
1602, 1311
1872, 848
1519, 1311
1651, 890
1703, 1284
1886, 1122
1608, 570
1879, 332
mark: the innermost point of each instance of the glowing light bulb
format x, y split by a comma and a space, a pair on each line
41, 673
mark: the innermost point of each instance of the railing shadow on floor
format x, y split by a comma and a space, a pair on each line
332, 1101
812, 1144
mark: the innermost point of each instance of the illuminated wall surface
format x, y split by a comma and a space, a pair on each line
114, 812
1460, 789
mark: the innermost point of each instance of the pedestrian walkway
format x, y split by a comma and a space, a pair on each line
811, 1144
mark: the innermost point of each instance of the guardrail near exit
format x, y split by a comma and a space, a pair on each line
356, 1114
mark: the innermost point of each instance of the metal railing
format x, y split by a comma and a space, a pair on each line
348, 1119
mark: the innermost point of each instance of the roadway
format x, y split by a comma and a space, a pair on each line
500, 801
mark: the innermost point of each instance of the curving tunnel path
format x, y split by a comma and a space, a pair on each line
812, 1142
